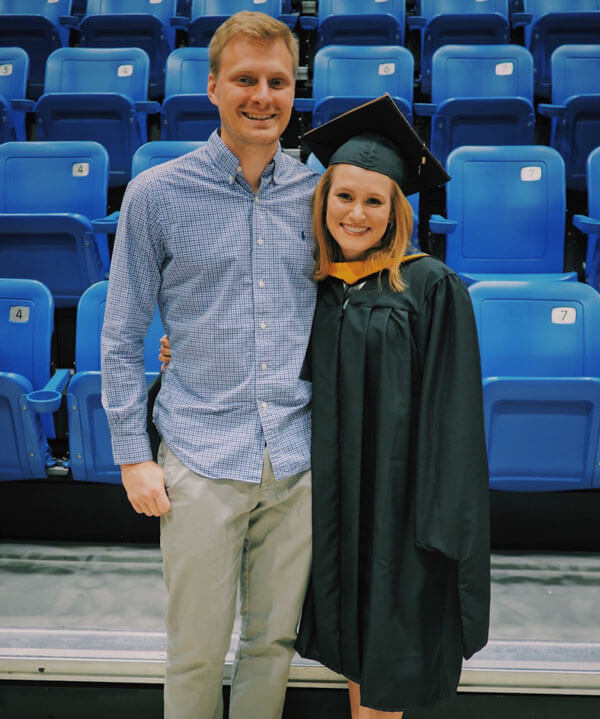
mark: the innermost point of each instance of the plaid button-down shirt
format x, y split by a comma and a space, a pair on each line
232, 273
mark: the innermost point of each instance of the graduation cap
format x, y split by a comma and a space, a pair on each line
376, 136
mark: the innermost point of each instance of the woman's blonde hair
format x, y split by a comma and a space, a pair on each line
254, 26
394, 244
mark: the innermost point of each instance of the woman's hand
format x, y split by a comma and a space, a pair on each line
165, 352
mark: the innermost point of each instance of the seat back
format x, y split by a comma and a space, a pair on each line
362, 7
159, 151
14, 67
431, 8
592, 261
230, 7
510, 205
162, 9
537, 328
83, 69
481, 71
50, 10
538, 8
575, 71
70, 176
26, 325
363, 71
187, 71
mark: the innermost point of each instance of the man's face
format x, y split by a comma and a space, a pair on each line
254, 91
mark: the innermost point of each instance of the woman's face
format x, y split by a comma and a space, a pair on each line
359, 206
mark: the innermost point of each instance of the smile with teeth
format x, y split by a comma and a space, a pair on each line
253, 116
354, 229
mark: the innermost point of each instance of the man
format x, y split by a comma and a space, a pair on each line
221, 239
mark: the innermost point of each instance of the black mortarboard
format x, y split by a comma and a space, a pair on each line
376, 136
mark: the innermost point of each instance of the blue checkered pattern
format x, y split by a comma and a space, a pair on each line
232, 274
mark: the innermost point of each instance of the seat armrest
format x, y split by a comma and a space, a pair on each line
22, 104
547, 110
520, 19
441, 226
587, 225
309, 22
304, 104
148, 106
180, 22
106, 225
68, 21
425, 109
49, 399
416, 21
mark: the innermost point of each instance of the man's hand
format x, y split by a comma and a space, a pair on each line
144, 483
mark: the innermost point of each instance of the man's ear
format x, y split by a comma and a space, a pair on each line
211, 87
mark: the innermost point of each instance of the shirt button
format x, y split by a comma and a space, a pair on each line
239, 168
230, 178
263, 325
260, 241
261, 283
263, 366
256, 199
264, 405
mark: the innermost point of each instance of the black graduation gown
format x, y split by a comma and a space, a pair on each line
400, 584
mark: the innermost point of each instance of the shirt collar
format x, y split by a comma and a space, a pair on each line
230, 165
352, 272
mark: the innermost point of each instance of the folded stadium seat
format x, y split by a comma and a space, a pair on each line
147, 24
187, 113
14, 69
550, 23
317, 166
39, 27
89, 436
50, 195
575, 108
357, 22
540, 355
98, 94
590, 224
28, 394
207, 15
457, 22
506, 208
346, 76
480, 94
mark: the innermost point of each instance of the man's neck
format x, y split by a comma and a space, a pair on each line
253, 160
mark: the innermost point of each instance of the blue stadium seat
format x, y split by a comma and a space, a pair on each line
575, 108
89, 436
550, 23
187, 113
346, 76
507, 211
39, 27
50, 194
590, 224
101, 95
317, 166
540, 354
150, 26
457, 22
14, 69
28, 394
480, 94
358, 22
159, 151
207, 15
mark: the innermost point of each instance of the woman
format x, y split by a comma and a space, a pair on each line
399, 590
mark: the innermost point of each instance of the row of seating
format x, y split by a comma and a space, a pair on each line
478, 92
505, 212
540, 354
152, 26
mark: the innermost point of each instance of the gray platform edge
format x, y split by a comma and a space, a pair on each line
533, 667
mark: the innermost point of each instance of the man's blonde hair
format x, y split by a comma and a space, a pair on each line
255, 26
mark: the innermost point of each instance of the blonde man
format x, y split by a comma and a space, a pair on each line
221, 238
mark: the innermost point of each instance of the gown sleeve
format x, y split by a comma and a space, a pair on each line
451, 479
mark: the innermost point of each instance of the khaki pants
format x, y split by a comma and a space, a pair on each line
220, 533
